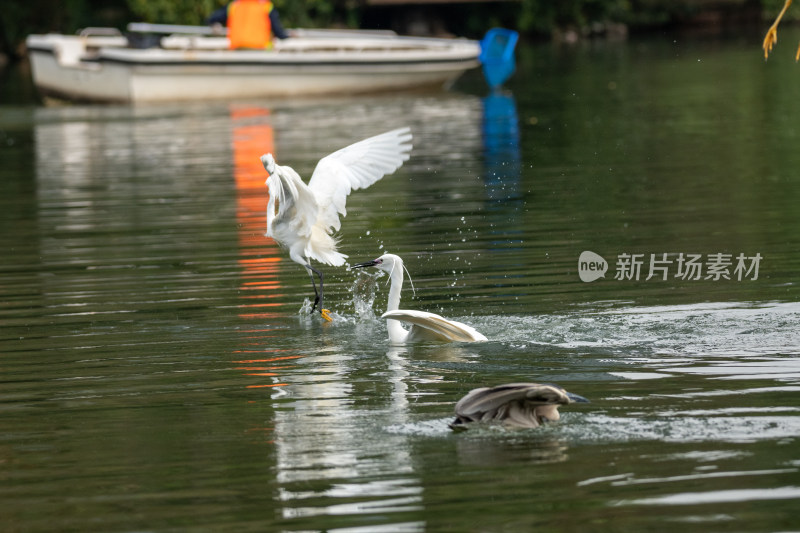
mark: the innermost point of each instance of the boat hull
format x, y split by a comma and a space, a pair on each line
70, 69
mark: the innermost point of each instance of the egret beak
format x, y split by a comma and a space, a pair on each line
367, 264
573, 398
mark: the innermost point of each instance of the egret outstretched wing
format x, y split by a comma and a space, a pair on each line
437, 327
355, 167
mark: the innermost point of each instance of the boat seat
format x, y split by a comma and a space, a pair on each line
69, 51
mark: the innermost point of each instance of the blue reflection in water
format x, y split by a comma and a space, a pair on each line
501, 151
504, 200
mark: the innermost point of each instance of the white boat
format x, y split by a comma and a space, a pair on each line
103, 66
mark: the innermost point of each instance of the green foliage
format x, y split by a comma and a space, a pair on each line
319, 13
18, 19
543, 16
294, 13
193, 12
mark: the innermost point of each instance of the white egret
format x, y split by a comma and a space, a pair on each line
304, 217
424, 326
521, 405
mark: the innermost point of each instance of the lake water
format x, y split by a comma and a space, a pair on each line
157, 373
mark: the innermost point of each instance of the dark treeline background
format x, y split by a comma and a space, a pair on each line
533, 18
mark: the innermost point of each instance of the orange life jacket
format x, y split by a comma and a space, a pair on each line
249, 25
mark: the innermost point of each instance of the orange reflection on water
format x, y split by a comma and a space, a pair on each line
270, 360
258, 255
259, 259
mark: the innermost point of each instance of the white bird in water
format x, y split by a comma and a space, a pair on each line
304, 217
521, 405
424, 326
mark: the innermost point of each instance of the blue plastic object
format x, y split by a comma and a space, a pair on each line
497, 55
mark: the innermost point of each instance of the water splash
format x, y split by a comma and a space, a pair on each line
305, 309
363, 291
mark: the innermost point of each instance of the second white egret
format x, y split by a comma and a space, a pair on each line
424, 326
304, 217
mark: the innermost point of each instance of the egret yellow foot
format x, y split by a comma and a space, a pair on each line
772, 34
770, 40
326, 315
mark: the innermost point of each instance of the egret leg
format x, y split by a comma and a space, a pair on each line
317, 295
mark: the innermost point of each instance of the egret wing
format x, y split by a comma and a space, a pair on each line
355, 167
515, 403
437, 326
489, 399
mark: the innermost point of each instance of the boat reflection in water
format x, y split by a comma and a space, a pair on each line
124, 210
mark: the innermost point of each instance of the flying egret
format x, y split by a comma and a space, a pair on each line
520, 405
424, 326
304, 217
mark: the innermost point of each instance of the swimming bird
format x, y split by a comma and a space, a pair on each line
424, 326
304, 217
520, 405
